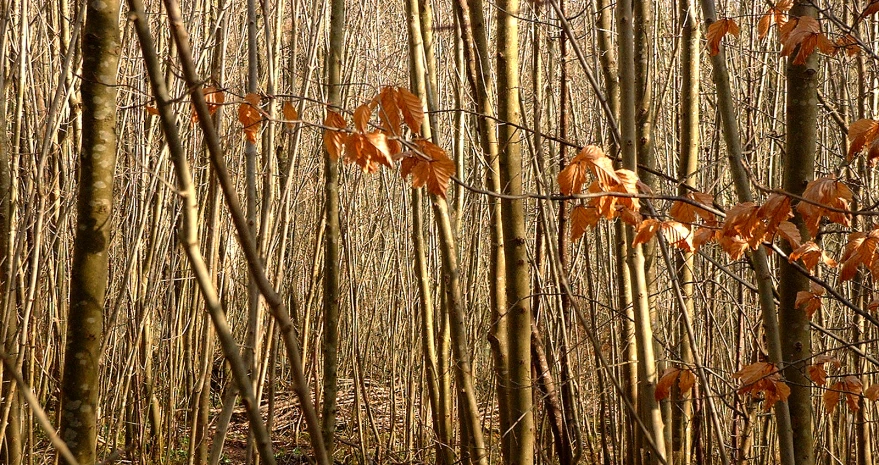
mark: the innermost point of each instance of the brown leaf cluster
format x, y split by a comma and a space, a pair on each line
851, 387
804, 34
762, 379
810, 301
863, 133
431, 168
860, 250
821, 193
775, 15
684, 377
249, 115
717, 30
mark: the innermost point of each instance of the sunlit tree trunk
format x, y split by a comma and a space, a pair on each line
515, 239
799, 169
635, 259
332, 237
688, 164
80, 386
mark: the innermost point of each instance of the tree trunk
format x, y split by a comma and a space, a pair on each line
635, 259
799, 169
515, 239
88, 283
332, 237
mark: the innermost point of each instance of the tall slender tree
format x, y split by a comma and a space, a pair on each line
80, 385
799, 169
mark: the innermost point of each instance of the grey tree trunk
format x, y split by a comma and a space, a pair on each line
88, 282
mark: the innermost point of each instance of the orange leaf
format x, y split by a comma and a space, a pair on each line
290, 113
826, 191
411, 108
646, 230
804, 32
334, 140
361, 117
831, 397
686, 381
703, 236
810, 254
872, 392
582, 218
151, 110
678, 235
790, 233
571, 178
628, 184
850, 44
763, 378
717, 30
434, 170
663, 386
249, 116
817, 374
861, 133
853, 388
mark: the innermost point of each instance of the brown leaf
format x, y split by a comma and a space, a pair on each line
686, 381
334, 140
361, 118
151, 110
703, 236
678, 235
810, 254
790, 233
250, 117
411, 108
582, 218
665, 383
872, 392
861, 133
646, 230
290, 113
805, 34
850, 44
831, 397
434, 171
717, 30
853, 389
829, 192
817, 374
762, 378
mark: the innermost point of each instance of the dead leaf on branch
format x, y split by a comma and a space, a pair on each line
811, 254
334, 140
850, 386
762, 379
214, 98
810, 301
825, 192
775, 15
433, 169
583, 218
685, 378
861, 133
250, 117
590, 159
717, 30
290, 113
804, 33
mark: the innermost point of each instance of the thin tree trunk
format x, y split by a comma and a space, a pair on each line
799, 169
635, 259
688, 164
332, 255
515, 239
80, 383
759, 260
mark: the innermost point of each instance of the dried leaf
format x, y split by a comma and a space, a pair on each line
861, 133
811, 254
872, 392
829, 192
831, 397
151, 110
790, 233
807, 36
290, 113
411, 108
850, 44
582, 218
361, 118
250, 117
817, 374
717, 30
665, 383
703, 236
871, 8
646, 230
678, 235
334, 140
434, 170
591, 158
762, 378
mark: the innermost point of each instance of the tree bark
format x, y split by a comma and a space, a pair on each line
799, 169
88, 283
